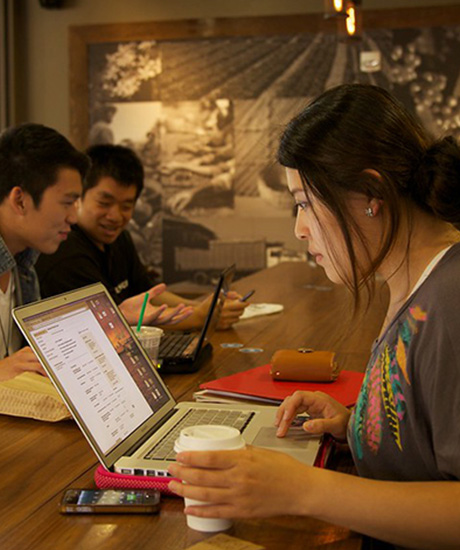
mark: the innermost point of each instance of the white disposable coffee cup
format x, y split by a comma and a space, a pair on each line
150, 337
208, 438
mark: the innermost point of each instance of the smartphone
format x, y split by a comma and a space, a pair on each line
110, 501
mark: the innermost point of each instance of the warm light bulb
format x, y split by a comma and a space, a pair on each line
351, 21
338, 5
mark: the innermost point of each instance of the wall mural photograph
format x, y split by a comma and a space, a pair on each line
205, 114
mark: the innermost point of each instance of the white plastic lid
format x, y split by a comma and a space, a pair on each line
209, 438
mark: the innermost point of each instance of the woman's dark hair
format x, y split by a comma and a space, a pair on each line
353, 128
117, 162
31, 156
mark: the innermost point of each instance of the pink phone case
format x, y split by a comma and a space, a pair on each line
105, 479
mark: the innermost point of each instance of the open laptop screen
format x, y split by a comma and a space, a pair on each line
218, 299
95, 359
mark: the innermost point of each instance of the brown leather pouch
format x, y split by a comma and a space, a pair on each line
304, 365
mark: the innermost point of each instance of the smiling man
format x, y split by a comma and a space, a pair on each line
41, 177
101, 249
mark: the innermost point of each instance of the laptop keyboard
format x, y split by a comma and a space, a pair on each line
164, 449
173, 345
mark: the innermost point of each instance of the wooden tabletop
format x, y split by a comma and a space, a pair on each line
39, 460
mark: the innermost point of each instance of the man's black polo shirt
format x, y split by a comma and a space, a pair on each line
79, 262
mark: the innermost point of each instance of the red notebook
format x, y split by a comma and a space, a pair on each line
257, 384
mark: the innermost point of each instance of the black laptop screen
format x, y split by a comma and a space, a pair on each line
98, 365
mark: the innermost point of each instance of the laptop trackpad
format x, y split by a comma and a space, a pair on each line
296, 443
296, 438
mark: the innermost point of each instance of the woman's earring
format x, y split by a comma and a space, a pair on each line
369, 212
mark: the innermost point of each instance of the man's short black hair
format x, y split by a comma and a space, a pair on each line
117, 162
31, 156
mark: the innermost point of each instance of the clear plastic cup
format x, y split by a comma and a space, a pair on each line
149, 337
208, 438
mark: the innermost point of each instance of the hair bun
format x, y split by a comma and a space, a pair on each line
437, 182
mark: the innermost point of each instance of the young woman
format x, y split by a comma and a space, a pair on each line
375, 195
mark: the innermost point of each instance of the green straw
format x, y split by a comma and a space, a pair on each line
141, 316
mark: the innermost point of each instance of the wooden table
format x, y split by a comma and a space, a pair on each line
39, 460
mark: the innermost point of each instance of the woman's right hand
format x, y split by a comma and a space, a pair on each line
326, 414
23, 360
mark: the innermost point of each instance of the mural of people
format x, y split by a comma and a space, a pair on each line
208, 113
101, 132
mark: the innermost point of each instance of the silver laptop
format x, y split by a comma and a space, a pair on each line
116, 395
